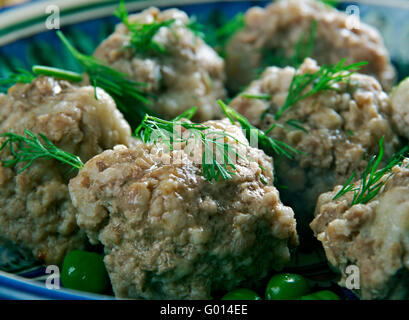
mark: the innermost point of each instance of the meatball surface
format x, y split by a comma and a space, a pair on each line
189, 73
169, 233
399, 112
338, 129
372, 236
277, 30
35, 206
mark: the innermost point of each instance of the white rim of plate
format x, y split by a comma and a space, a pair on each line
13, 17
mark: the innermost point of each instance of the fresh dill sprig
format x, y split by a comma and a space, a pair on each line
305, 45
196, 27
372, 179
25, 76
268, 144
21, 76
57, 73
142, 34
302, 49
218, 33
28, 148
260, 96
331, 3
218, 155
322, 80
347, 187
128, 94
296, 124
223, 34
308, 84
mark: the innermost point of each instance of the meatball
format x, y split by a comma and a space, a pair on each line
35, 206
339, 129
277, 30
169, 233
371, 236
400, 108
189, 73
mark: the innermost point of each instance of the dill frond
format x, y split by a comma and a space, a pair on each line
302, 49
373, 179
223, 34
21, 76
57, 73
196, 27
270, 145
308, 84
142, 34
218, 33
218, 158
28, 148
128, 94
330, 3
260, 96
26, 76
322, 80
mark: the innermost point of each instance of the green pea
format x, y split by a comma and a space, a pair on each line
286, 286
321, 295
85, 271
241, 294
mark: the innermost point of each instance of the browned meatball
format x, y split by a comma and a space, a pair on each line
371, 236
189, 73
278, 28
169, 233
35, 206
341, 127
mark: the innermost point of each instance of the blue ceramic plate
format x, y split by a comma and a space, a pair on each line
25, 41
